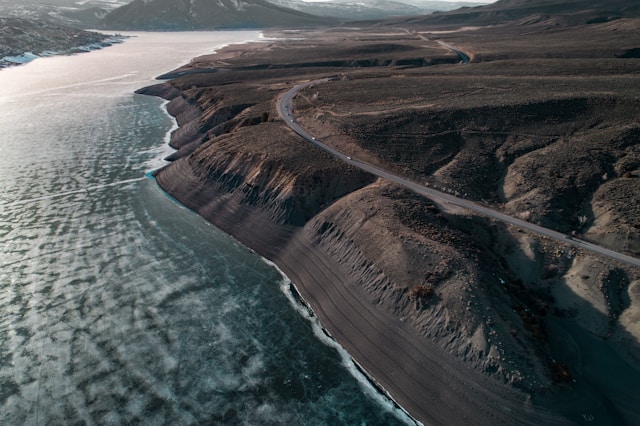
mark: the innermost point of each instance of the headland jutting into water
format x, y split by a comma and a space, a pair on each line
460, 318
23, 40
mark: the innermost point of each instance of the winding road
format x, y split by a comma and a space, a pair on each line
285, 109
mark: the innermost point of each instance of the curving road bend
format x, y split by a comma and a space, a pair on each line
285, 109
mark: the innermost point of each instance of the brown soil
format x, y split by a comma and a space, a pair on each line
455, 315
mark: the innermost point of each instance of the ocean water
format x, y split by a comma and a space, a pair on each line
118, 305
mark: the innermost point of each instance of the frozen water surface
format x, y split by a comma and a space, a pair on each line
118, 305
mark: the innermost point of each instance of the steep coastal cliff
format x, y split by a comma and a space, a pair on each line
357, 246
455, 315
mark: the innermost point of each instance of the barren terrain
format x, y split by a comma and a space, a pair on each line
458, 317
32, 37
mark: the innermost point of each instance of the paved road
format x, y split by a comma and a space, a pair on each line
285, 109
464, 58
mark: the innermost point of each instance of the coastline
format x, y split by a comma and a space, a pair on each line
26, 57
425, 381
288, 287
300, 304
420, 377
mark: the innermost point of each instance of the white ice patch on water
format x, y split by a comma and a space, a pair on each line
377, 392
20, 59
164, 150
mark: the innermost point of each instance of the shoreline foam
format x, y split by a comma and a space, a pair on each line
379, 393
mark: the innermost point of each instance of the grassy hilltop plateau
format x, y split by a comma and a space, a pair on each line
459, 316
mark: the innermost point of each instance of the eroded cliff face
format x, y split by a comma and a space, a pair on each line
447, 277
292, 185
397, 278
287, 182
432, 272
567, 162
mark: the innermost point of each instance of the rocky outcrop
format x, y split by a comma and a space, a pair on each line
422, 265
201, 14
402, 254
22, 40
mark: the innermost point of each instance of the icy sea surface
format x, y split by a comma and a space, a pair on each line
119, 306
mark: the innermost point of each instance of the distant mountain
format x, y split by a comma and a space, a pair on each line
74, 13
68, 3
354, 10
555, 12
207, 14
90, 13
370, 9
